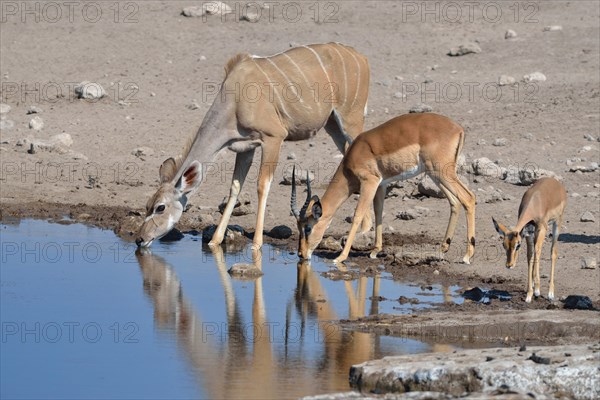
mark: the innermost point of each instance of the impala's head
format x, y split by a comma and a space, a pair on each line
165, 207
310, 226
511, 240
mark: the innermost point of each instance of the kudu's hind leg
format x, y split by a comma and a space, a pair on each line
243, 161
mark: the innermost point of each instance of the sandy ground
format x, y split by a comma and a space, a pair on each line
158, 66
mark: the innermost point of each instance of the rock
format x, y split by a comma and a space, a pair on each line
576, 302
330, 243
57, 143
467, 372
504, 80
291, 156
6, 124
362, 241
429, 188
585, 149
193, 105
242, 205
420, 108
534, 77
245, 271
527, 176
62, 139
498, 142
34, 110
250, 16
589, 263
587, 217
552, 28
36, 123
207, 8
4, 108
413, 213
581, 168
300, 177
89, 90
510, 34
142, 151
591, 138
399, 95
485, 167
463, 49
233, 234
280, 232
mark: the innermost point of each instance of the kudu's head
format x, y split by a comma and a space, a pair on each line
165, 207
310, 231
511, 240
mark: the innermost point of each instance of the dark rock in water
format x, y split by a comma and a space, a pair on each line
576, 302
232, 233
245, 271
280, 232
485, 296
173, 236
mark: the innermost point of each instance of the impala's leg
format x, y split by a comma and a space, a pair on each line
540, 233
554, 251
367, 193
452, 183
454, 213
530, 251
378, 206
268, 163
242, 166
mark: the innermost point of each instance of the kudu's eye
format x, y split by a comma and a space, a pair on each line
160, 208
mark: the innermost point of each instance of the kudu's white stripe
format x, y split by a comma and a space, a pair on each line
289, 81
275, 91
357, 74
324, 70
345, 74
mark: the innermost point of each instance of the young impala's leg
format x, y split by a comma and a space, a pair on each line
378, 206
454, 213
242, 166
268, 163
538, 240
554, 251
454, 185
530, 251
367, 193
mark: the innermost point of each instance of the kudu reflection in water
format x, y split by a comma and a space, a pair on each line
231, 364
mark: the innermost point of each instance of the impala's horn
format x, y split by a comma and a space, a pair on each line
293, 203
308, 196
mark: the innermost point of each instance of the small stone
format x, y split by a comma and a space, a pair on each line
34, 110
6, 124
585, 149
464, 49
534, 77
485, 167
300, 176
552, 28
504, 80
244, 271
589, 263
331, 244
36, 123
587, 217
499, 142
291, 156
89, 90
420, 108
362, 242
280, 232
250, 16
510, 34
399, 95
207, 8
429, 188
436, 272
4, 108
193, 105
591, 138
527, 136
202, 58
142, 151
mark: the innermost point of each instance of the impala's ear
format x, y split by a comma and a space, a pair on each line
190, 179
501, 229
316, 209
167, 170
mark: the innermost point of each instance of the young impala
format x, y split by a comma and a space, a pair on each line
399, 149
542, 203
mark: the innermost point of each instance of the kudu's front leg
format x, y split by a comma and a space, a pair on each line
243, 161
268, 163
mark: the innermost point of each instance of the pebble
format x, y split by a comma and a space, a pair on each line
510, 34
89, 90
300, 177
463, 49
208, 8
534, 77
291, 156
280, 232
485, 167
587, 217
4, 108
34, 110
36, 123
142, 151
499, 142
504, 80
420, 108
588, 263
552, 28
429, 188
6, 124
399, 95
331, 244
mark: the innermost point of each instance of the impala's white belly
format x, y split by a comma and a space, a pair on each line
419, 168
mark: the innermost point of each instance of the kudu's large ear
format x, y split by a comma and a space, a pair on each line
190, 179
167, 170
317, 209
501, 229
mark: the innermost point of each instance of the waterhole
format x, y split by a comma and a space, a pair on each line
86, 316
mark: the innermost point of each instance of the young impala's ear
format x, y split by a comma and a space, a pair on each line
501, 229
316, 209
190, 179
167, 170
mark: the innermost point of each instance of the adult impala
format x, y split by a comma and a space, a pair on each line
399, 149
262, 102
542, 203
